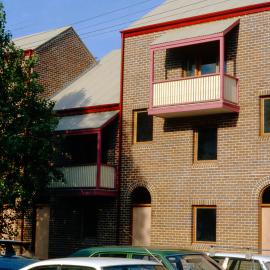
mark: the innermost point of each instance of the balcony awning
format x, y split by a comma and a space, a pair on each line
217, 28
85, 121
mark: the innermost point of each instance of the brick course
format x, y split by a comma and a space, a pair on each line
165, 165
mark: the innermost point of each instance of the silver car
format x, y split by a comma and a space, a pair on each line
241, 261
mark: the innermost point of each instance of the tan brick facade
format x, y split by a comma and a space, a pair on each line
61, 60
165, 165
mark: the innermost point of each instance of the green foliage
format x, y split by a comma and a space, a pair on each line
28, 148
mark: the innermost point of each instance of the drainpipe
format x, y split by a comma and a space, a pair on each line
98, 159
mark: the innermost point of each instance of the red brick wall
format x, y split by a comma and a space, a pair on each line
61, 61
165, 165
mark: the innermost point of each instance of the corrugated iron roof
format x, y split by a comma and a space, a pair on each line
84, 121
179, 9
98, 86
32, 42
200, 30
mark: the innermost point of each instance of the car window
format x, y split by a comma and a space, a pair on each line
116, 255
153, 258
243, 264
267, 265
135, 267
50, 267
191, 262
72, 267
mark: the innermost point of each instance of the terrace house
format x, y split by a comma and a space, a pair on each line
195, 153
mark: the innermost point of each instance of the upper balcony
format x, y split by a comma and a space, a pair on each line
192, 73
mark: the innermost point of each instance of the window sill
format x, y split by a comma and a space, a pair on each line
205, 164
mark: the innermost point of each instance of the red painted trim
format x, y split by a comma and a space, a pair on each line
221, 65
90, 109
84, 192
152, 77
79, 131
217, 104
28, 53
220, 15
98, 159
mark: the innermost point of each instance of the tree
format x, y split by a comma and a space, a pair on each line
28, 146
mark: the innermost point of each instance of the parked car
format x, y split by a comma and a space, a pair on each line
14, 255
94, 264
238, 261
170, 258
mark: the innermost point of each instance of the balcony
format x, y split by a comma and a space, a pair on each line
192, 70
208, 94
87, 178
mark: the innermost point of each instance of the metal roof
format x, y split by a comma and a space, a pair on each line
98, 86
180, 9
84, 121
32, 42
195, 31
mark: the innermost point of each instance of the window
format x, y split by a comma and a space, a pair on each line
89, 222
265, 116
143, 126
205, 144
204, 223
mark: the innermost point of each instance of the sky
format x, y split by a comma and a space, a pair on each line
97, 22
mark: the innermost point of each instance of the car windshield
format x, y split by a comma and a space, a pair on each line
267, 265
191, 262
135, 267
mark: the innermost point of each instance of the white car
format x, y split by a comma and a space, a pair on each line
94, 264
241, 261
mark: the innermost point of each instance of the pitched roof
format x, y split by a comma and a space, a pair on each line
99, 85
198, 30
179, 9
32, 42
85, 121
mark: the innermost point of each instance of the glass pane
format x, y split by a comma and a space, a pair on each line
208, 68
206, 224
146, 257
267, 115
144, 127
50, 267
207, 144
72, 267
267, 265
249, 264
113, 255
191, 67
266, 196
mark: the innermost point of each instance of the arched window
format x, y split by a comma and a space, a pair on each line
266, 196
141, 196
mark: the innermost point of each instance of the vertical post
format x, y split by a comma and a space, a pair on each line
152, 60
98, 159
221, 66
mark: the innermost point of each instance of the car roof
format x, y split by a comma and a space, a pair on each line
132, 249
241, 256
93, 262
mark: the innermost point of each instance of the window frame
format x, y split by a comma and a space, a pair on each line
262, 133
196, 146
135, 126
194, 225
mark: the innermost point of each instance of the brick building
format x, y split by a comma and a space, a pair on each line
62, 56
195, 116
82, 210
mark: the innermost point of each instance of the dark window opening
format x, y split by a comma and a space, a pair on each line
266, 196
89, 222
141, 196
206, 144
143, 126
266, 115
205, 227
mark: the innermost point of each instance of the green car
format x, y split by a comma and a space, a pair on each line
170, 258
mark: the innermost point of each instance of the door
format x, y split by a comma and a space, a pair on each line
141, 225
42, 232
266, 229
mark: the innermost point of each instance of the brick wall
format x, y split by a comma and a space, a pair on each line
61, 61
165, 165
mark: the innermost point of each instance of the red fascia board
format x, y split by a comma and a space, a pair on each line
90, 109
28, 53
220, 15
79, 131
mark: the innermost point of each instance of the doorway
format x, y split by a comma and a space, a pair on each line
265, 222
141, 217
